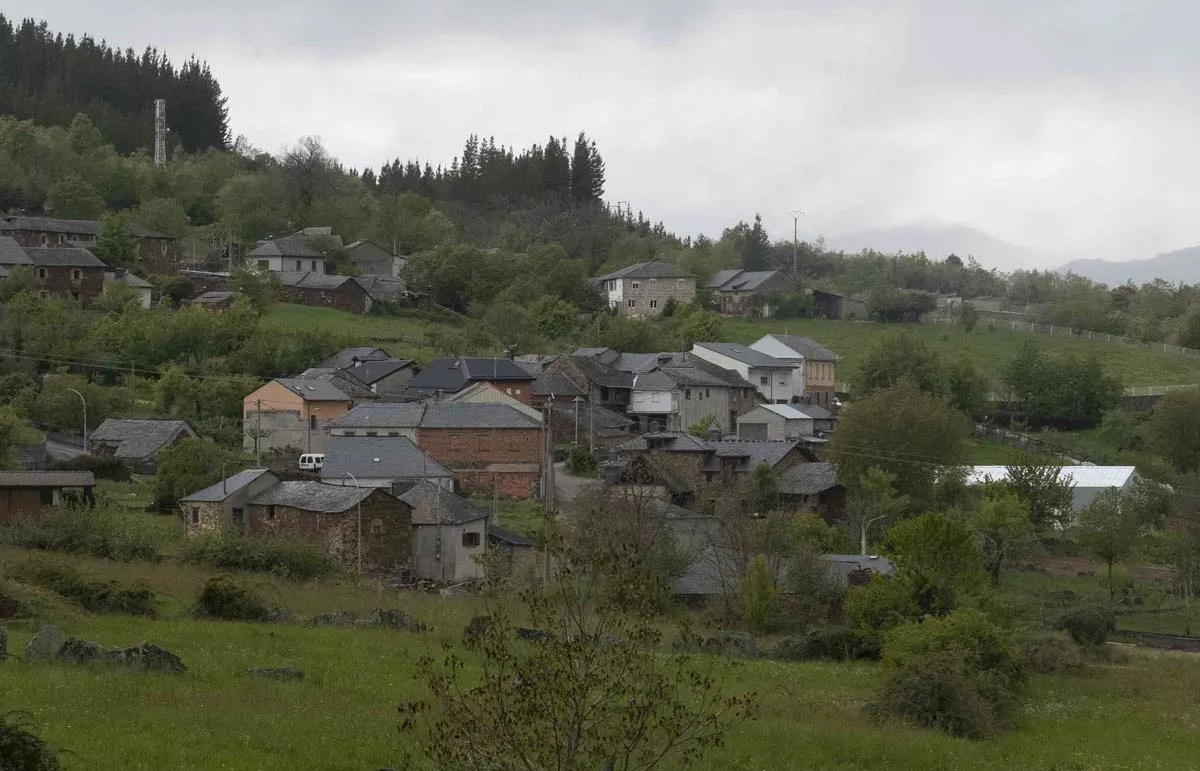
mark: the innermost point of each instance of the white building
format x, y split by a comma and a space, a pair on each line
144, 288
1087, 482
287, 255
815, 378
774, 378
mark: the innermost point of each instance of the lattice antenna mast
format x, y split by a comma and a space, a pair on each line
160, 132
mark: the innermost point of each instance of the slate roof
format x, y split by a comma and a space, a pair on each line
451, 375
602, 419
756, 453
313, 390
746, 355
432, 504
371, 372
345, 357
69, 227
382, 457
644, 362
677, 441
815, 412
509, 537
407, 415
129, 279
438, 415
602, 374
651, 269
807, 347
785, 411
313, 280
314, 496
557, 385
227, 487
808, 479
694, 377
740, 280
385, 288
138, 439
63, 257
212, 298
286, 247
591, 352
11, 253
47, 479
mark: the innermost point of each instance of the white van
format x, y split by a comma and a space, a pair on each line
312, 462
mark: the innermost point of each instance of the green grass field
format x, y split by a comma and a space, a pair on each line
1133, 715
398, 335
989, 349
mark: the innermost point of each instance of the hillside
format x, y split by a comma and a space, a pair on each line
938, 242
1180, 266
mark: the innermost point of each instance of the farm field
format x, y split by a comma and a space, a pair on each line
989, 349
1131, 715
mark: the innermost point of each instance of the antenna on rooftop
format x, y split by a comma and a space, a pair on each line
160, 133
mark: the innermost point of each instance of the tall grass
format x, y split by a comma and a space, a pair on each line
105, 530
286, 558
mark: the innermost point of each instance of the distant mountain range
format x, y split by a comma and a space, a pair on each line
938, 242
1181, 265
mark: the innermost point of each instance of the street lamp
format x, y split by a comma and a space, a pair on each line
356, 487
84, 403
866, 526
795, 215
578, 400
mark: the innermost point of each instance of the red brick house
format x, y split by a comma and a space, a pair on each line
68, 272
341, 292
156, 252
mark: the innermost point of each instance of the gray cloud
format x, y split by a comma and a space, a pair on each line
1064, 126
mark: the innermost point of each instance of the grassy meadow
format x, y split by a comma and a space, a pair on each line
1131, 715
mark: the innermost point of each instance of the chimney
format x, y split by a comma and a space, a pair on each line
118, 273
713, 435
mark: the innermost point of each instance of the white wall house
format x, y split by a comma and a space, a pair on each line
815, 376
287, 255
775, 379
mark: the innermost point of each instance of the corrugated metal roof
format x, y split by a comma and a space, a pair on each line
227, 487
1078, 476
47, 479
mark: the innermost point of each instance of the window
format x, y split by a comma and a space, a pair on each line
314, 266
270, 512
162, 248
76, 274
349, 433
46, 495
42, 273
508, 391
654, 303
372, 433
653, 281
762, 380
470, 540
783, 381
377, 527
636, 284
195, 515
264, 265
612, 285
299, 263
517, 391
393, 433
681, 283
603, 393
707, 392
633, 303
45, 239
312, 422
687, 394
239, 517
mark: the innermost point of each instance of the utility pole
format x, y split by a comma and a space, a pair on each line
796, 215
258, 433
84, 402
359, 489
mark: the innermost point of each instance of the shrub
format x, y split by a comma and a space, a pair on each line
1088, 626
1050, 653
580, 462
760, 596
94, 595
21, 749
827, 644
880, 606
224, 598
959, 673
102, 531
290, 559
101, 466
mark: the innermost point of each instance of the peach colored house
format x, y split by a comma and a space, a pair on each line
291, 413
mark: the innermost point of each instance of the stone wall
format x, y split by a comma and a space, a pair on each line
350, 296
59, 281
660, 290
202, 518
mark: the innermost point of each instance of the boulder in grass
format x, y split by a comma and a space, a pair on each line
76, 651
45, 644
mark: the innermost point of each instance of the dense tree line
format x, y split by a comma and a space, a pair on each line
49, 79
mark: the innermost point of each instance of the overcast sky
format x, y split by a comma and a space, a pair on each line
1069, 127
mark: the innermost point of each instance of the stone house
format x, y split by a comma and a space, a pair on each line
291, 413
774, 378
371, 259
221, 508
156, 252
386, 378
489, 448
12, 257
287, 255
144, 289
449, 376
330, 517
30, 493
816, 379
138, 442
449, 534
68, 272
589, 425
813, 487
379, 461
600, 383
644, 288
741, 292
351, 357
777, 422
316, 288
388, 289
